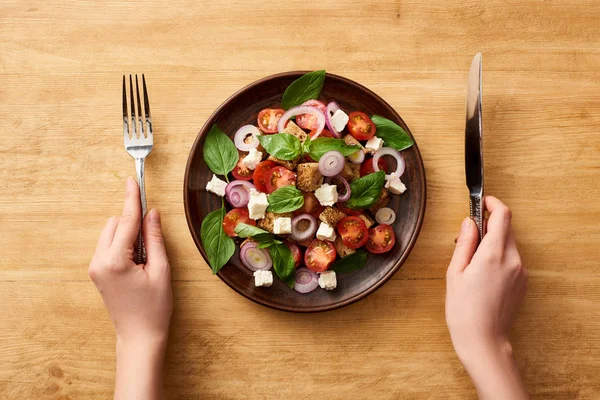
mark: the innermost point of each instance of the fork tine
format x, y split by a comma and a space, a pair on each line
147, 108
132, 109
125, 114
139, 108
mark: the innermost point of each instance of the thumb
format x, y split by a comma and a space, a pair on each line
465, 246
153, 239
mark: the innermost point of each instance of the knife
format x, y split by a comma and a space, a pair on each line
474, 144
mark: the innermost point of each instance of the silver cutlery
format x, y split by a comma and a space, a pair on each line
138, 146
474, 144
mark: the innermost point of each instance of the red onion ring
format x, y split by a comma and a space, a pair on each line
306, 280
344, 182
357, 158
331, 109
254, 258
388, 151
331, 163
238, 193
240, 138
292, 112
299, 235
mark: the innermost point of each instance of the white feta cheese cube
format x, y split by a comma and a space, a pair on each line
328, 280
395, 185
257, 206
327, 194
216, 186
263, 278
339, 119
252, 159
374, 144
282, 226
325, 232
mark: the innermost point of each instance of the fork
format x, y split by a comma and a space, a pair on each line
138, 147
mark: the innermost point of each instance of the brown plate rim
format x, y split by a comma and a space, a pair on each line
357, 297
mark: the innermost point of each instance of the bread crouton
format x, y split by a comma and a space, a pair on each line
341, 248
384, 199
331, 216
309, 178
350, 172
369, 222
268, 221
350, 140
295, 130
291, 165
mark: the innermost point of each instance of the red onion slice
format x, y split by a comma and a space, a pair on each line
331, 109
306, 280
388, 151
346, 185
238, 193
254, 258
331, 163
245, 143
292, 112
385, 216
300, 235
357, 158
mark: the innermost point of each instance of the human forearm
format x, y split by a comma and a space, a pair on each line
139, 370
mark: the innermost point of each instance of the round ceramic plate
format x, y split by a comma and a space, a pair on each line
241, 109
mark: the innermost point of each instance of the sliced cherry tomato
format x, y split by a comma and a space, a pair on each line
261, 174
311, 205
366, 167
354, 232
268, 119
234, 217
324, 133
348, 211
240, 171
319, 255
309, 121
296, 252
278, 177
360, 126
381, 239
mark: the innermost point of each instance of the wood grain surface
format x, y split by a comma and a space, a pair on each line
63, 170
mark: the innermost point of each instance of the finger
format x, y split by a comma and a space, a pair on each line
129, 223
466, 246
107, 234
153, 239
498, 224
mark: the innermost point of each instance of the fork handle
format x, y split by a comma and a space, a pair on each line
139, 168
476, 211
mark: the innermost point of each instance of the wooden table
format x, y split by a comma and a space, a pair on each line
63, 170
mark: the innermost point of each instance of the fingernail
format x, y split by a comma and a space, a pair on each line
129, 184
154, 216
465, 226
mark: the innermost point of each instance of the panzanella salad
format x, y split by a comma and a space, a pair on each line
305, 190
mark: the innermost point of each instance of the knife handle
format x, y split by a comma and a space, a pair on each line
476, 212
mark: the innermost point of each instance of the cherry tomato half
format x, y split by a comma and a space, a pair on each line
324, 133
354, 232
366, 167
311, 205
261, 174
234, 217
278, 177
309, 121
296, 252
319, 255
268, 119
381, 239
240, 171
360, 126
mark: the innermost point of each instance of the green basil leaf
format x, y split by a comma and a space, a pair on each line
281, 145
220, 153
366, 190
283, 261
319, 146
218, 246
245, 230
291, 280
307, 87
392, 134
268, 243
285, 199
350, 263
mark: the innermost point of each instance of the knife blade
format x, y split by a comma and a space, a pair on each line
474, 144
